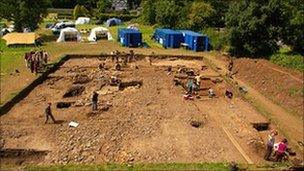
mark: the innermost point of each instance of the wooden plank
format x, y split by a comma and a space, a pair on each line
238, 147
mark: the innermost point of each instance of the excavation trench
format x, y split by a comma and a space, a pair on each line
262, 126
21, 156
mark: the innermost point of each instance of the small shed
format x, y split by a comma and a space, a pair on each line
195, 41
113, 22
82, 20
69, 34
129, 37
99, 33
20, 38
168, 38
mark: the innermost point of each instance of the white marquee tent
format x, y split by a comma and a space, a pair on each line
99, 32
69, 33
82, 20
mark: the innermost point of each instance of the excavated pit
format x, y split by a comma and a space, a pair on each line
74, 91
127, 84
81, 79
261, 126
196, 124
62, 105
21, 156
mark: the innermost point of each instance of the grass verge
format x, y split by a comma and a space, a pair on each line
149, 166
11, 58
165, 166
286, 58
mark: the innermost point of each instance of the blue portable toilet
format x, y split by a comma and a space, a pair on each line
129, 37
195, 41
168, 38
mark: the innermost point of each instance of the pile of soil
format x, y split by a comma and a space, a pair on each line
281, 85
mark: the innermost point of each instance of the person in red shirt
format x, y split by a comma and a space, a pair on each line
281, 150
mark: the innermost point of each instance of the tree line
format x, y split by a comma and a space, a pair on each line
254, 28
90, 4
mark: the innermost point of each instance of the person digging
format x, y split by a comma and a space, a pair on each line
48, 114
190, 88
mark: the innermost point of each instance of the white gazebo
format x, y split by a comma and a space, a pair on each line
98, 33
69, 34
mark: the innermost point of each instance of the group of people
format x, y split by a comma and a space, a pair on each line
193, 84
36, 60
116, 57
279, 149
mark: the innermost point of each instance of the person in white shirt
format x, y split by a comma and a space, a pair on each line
270, 144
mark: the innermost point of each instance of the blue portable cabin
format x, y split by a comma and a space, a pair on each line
168, 38
195, 41
129, 37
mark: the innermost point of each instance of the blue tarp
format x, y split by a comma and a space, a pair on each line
129, 37
195, 41
168, 38
113, 22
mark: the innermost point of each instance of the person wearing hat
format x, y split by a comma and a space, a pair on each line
270, 144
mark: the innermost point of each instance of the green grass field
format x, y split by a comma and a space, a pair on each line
147, 32
11, 58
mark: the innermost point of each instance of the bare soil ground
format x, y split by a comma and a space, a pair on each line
290, 123
13, 82
149, 123
274, 82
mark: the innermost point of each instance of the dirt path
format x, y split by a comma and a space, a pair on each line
284, 72
290, 125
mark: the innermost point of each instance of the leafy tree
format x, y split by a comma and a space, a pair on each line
167, 13
221, 7
24, 13
254, 27
103, 5
80, 11
64, 3
89, 4
148, 14
200, 14
133, 4
293, 34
